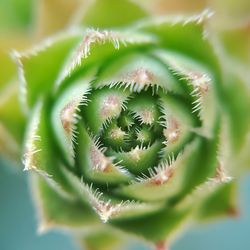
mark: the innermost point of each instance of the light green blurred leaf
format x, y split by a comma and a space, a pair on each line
111, 13
15, 15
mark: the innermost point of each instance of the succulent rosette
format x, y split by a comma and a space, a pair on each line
132, 131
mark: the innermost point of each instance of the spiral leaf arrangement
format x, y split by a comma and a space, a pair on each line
130, 130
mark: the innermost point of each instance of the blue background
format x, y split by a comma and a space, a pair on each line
18, 222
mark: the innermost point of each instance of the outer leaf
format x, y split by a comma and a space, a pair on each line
97, 47
54, 192
39, 67
163, 224
212, 199
105, 207
202, 164
58, 211
237, 103
40, 152
236, 130
180, 33
221, 202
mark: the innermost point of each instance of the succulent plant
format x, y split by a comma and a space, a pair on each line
136, 130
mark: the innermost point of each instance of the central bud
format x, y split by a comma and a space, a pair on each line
128, 125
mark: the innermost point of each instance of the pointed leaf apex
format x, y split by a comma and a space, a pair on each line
104, 209
145, 116
161, 174
137, 153
99, 161
69, 116
161, 246
111, 106
221, 176
172, 131
138, 79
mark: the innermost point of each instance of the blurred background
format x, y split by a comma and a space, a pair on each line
24, 22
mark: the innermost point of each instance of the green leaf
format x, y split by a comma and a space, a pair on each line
15, 15
236, 128
100, 46
212, 199
237, 103
163, 182
115, 137
39, 67
178, 121
105, 104
137, 71
57, 211
201, 164
94, 164
221, 202
139, 159
57, 200
180, 33
144, 107
106, 207
200, 85
40, 152
65, 115
163, 224
111, 13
